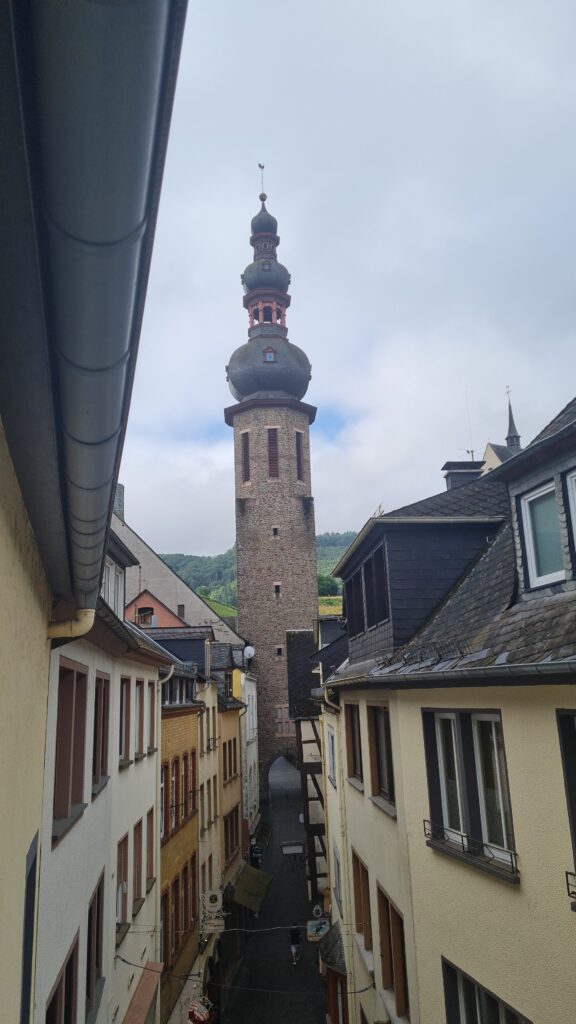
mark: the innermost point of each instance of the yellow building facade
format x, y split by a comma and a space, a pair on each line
25, 606
511, 932
179, 852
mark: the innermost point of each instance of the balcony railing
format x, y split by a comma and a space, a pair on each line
475, 849
571, 884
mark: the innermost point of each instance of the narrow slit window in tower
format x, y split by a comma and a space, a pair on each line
273, 467
275, 531
279, 652
299, 464
277, 589
245, 456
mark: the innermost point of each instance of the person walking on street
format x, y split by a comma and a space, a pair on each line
295, 943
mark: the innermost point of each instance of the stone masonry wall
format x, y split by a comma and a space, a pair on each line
286, 558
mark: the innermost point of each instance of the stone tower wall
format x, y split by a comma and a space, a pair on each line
264, 559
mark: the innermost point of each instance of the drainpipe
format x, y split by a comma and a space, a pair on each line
78, 626
166, 679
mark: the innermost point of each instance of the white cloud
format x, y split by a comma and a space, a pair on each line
420, 160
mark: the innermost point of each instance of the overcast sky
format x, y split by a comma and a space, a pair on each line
421, 162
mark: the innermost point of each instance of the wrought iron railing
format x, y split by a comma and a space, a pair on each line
571, 884
497, 857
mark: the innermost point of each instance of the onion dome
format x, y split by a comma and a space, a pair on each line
264, 223
265, 275
268, 366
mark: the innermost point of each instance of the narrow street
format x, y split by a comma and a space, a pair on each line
270, 989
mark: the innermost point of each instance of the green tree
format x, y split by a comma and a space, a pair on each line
327, 585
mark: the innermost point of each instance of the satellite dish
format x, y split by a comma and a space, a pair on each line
249, 652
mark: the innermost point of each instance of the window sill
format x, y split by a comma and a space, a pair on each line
232, 856
121, 932
231, 778
384, 805
333, 781
451, 850
61, 826
355, 783
366, 954
92, 1013
124, 762
97, 787
140, 755
150, 883
388, 1000
137, 906
151, 750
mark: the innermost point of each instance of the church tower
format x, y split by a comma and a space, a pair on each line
275, 533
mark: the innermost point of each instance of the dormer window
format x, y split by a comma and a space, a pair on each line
145, 616
269, 355
542, 536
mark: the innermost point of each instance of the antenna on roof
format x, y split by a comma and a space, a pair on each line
261, 166
470, 450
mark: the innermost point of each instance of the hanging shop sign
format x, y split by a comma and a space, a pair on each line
213, 925
316, 930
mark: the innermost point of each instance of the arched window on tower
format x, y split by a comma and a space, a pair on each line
267, 314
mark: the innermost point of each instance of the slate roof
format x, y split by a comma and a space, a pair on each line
565, 417
180, 632
480, 633
330, 628
332, 654
222, 656
134, 638
502, 451
226, 701
482, 497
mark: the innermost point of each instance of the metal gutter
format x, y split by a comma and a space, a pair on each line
492, 675
98, 86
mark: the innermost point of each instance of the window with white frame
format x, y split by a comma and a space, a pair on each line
331, 744
542, 536
467, 1002
468, 784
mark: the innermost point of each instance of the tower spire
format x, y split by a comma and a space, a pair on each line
268, 364
512, 437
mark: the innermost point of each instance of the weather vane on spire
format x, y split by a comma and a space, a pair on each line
261, 166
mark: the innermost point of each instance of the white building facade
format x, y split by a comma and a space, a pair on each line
98, 946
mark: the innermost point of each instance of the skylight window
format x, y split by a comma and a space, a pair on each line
542, 536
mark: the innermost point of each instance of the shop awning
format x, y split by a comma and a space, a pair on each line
251, 888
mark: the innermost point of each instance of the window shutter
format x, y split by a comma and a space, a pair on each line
245, 457
273, 467
299, 464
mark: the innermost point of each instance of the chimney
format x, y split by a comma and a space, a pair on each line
458, 473
119, 502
